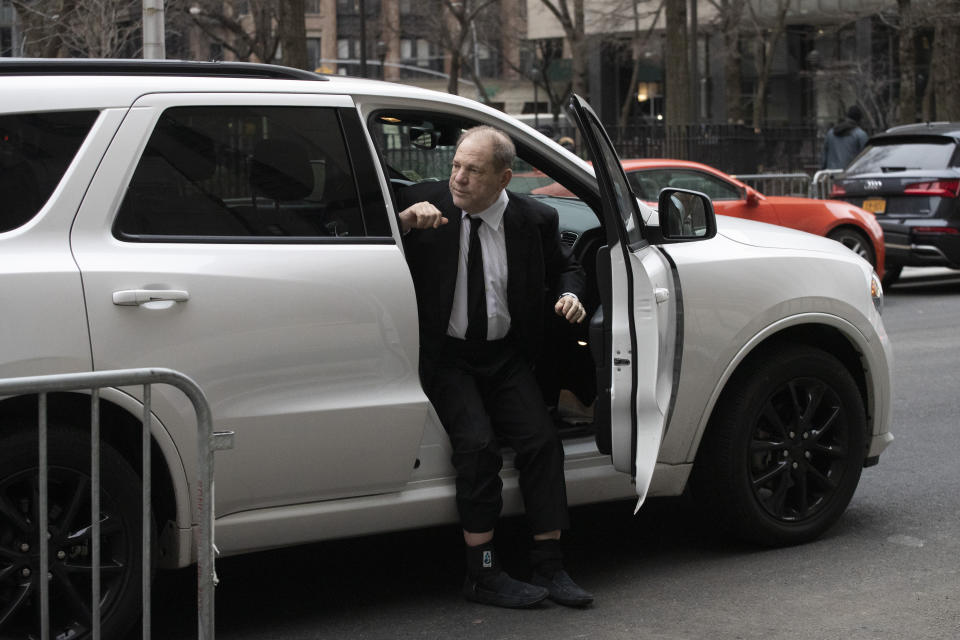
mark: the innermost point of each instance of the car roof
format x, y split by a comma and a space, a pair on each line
951, 129
65, 83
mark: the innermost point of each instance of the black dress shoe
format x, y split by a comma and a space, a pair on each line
563, 590
500, 590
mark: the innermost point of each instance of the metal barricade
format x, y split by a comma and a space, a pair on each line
207, 443
822, 183
778, 184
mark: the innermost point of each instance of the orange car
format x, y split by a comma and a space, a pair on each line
850, 225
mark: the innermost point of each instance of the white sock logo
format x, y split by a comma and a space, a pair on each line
487, 559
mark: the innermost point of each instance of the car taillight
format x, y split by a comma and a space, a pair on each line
943, 188
943, 230
837, 190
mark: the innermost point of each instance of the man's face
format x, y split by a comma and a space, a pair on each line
475, 182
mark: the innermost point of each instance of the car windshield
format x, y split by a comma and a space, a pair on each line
904, 154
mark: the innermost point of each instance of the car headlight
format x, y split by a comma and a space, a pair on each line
876, 292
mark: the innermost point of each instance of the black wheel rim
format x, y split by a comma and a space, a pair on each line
70, 554
799, 450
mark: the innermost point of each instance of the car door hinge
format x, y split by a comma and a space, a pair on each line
661, 295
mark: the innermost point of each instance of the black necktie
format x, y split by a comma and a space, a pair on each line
476, 291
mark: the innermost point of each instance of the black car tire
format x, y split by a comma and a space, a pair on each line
856, 242
784, 450
891, 274
70, 552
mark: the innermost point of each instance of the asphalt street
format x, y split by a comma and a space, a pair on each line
888, 569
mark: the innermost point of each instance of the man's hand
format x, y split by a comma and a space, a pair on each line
421, 215
570, 308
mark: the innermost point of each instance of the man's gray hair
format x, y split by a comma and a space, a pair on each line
503, 150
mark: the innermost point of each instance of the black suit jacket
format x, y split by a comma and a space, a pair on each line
539, 267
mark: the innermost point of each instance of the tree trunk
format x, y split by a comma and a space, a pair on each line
453, 77
578, 44
733, 60
293, 34
943, 75
907, 55
767, 45
573, 29
676, 68
638, 42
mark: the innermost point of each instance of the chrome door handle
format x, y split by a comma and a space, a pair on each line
136, 297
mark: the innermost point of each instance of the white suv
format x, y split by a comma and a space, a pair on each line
238, 223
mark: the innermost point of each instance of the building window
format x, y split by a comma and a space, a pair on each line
313, 51
313, 6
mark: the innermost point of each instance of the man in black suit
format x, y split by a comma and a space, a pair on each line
487, 266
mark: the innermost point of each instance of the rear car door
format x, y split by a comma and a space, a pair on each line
640, 308
249, 247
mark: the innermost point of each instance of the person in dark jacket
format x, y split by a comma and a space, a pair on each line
844, 141
486, 266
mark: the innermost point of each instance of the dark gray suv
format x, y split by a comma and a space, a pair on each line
909, 177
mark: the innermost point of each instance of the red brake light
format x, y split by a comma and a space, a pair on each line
943, 230
943, 188
837, 190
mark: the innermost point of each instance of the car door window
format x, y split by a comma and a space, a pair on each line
417, 147
35, 151
647, 183
247, 173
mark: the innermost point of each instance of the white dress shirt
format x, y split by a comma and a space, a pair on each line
493, 243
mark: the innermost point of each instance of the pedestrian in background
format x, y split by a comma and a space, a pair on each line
844, 140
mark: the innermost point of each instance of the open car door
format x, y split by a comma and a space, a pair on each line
639, 316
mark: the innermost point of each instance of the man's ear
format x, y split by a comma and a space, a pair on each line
505, 177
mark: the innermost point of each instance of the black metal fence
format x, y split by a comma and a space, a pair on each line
728, 147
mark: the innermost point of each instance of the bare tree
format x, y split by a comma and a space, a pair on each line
907, 59
942, 98
252, 36
292, 31
730, 17
452, 26
638, 42
767, 38
465, 14
80, 28
570, 15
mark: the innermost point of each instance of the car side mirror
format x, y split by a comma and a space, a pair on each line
685, 216
752, 197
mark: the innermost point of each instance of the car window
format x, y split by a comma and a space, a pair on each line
419, 146
35, 151
647, 183
903, 153
249, 174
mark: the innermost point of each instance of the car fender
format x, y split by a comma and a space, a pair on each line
874, 360
719, 332
176, 543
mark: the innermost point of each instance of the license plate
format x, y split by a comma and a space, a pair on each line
874, 205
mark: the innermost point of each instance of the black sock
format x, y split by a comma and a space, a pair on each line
546, 557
